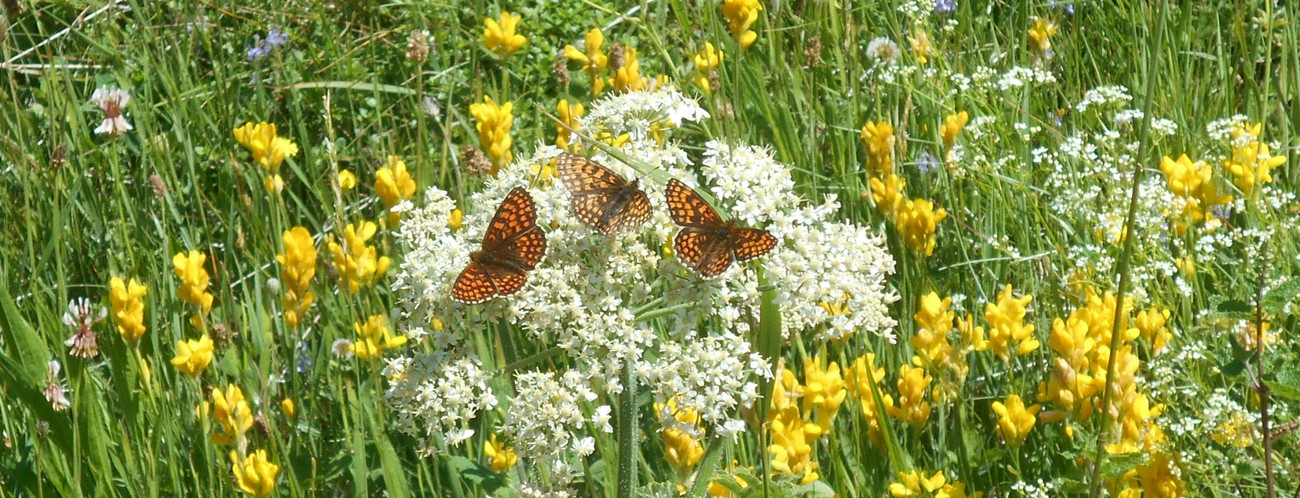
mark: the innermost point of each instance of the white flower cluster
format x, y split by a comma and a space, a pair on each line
710, 375
638, 114
544, 417
1104, 96
435, 401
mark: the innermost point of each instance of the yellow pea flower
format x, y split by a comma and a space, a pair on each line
374, 337
1040, 36
952, 126
592, 58
268, 149
1006, 324
500, 457
358, 263
494, 123
393, 184
913, 483
568, 114
347, 180
298, 264
742, 14
912, 407
706, 61
127, 303
916, 221
823, 392
791, 444
628, 77
194, 282
1014, 419
887, 194
193, 357
1151, 322
232, 413
499, 34
921, 46
255, 474
879, 139
456, 219
290, 411
1252, 164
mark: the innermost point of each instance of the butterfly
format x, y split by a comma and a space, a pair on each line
512, 246
602, 199
706, 243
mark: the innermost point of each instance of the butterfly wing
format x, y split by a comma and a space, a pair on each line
582, 176
523, 250
602, 199
517, 214
688, 209
750, 243
473, 285
635, 211
705, 251
507, 280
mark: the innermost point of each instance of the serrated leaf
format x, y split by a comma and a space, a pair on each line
1279, 296
1287, 385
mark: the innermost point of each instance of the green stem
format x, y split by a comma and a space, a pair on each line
1126, 258
708, 465
627, 433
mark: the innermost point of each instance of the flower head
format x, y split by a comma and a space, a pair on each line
127, 303
494, 123
499, 34
193, 287
255, 474
55, 392
592, 58
359, 264
393, 184
233, 415
81, 316
374, 337
912, 407
879, 139
1040, 36
500, 457
112, 102
1006, 324
1014, 419
952, 125
706, 61
916, 220
347, 180
268, 149
298, 266
921, 46
883, 51
193, 357
742, 14
568, 114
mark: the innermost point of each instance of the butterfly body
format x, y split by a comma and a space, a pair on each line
512, 246
706, 243
602, 200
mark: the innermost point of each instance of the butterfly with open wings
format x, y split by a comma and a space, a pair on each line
512, 246
602, 199
706, 243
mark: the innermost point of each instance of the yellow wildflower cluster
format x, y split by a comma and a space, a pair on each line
500, 457
879, 138
193, 288
914, 483
255, 475
1040, 35
946, 362
499, 34
1193, 184
494, 123
1006, 324
916, 221
1151, 324
268, 149
1251, 161
681, 450
374, 337
887, 193
952, 126
861, 376
298, 267
742, 14
593, 60
192, 357
913, 383
1159, 476
627, 78
921, 46
232, 414
568, 123
795, 427
359, 264
393, 184
127, 302
706, 61
1015, 419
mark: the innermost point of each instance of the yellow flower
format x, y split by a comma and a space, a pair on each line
194, 280
193, 357
887, 194
1159, 477
916, 221
298, 267
347, 180
879, 138
791, 446
1040, 36
1006, 324
569, 114
290, 412
499, 34
456, 219
393, 185
912, 386
1014, 419
268, 149
913, 483
232, 413
681, 451
1193, 183
933, 321
1151, 323
706, 60
824, 390
920, 45
970, 334
742, 14
255, 474
500, 457
358, 263
127, 302
494, 123
628, 77
952, 126
860, 377
593, 60
374, 337
1251, 164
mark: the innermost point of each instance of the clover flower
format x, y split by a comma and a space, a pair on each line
393, 184
268, 149
112, 101
55, 392
499, 34
192, 357
359, 264
741, 14
592, 58
494, 122
81, 316
298, 264
255, 475
127, 303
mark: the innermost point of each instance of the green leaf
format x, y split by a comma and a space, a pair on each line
1278, 297
475, 473
1234, 306
1287, 385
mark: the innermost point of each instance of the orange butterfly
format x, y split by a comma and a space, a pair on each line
706, 243
602, 199
511, 248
